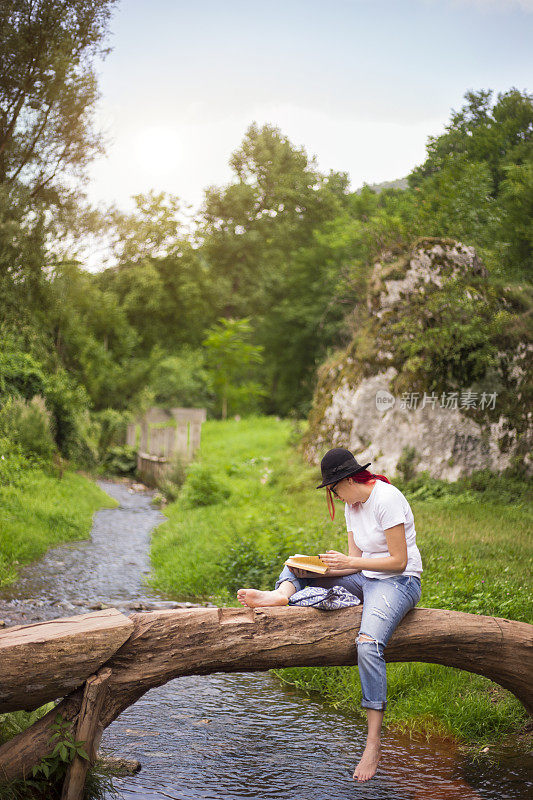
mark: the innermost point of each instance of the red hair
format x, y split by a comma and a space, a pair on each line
363, 476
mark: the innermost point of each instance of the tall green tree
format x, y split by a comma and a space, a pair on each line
230, 356
47, 98
495, 133
253, 231
475, 183
48, 90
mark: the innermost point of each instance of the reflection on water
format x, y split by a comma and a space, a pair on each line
235, 736
243, 737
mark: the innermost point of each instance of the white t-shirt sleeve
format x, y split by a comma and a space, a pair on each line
347, 516
390, 513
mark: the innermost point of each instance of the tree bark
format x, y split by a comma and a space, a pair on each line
47, 660
86, 731
168, 644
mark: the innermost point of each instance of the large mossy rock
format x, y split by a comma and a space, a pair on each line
439, 368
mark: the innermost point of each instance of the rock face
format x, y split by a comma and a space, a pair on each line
439, 370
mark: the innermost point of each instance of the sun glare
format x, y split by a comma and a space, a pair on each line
156, 151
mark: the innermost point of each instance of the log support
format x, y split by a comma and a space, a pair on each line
87, 731
168, 644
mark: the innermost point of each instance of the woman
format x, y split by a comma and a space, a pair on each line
382, 568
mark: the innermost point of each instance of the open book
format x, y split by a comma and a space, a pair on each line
310, 563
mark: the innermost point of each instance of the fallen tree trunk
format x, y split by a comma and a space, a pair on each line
47, 660
169, 644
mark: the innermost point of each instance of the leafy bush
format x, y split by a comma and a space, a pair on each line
68, 403
406, 465
245, 564
169, 489
20, 374
481, 484
256, 558
48, 774
182, 380
121, 460
177, 474
202, 488
13, 463
27, 426
17, 721
174, 478
423, 487
111, 426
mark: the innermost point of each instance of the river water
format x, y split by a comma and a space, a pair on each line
238, 736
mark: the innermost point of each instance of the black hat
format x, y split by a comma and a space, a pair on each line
338, 464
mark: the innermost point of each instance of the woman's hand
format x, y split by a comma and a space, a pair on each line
336, 560
302, 573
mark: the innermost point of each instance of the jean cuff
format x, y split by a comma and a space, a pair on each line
294, 580
377, 705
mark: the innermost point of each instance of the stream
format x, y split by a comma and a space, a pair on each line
237, 736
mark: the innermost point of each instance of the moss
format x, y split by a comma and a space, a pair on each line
440, 339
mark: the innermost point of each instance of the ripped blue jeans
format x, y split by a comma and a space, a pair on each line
385, 603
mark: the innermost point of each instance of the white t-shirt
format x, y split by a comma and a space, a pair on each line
385, 507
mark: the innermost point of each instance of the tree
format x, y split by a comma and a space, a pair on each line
230, 357
152, 230
516, 221
252, 225
47, 97
475, 183
253, 232
497, 134
457, 201
48, 90
182, 380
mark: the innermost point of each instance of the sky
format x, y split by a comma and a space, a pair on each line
360, 84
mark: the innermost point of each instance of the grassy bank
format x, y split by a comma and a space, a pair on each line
250, 502
40, 510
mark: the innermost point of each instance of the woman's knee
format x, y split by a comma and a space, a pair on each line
368, 646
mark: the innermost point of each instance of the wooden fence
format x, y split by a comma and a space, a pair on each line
163, 434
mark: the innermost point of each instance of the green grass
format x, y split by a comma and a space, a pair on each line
473, 536
40, 510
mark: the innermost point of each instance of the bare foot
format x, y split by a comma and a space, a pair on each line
368, 765
254, 598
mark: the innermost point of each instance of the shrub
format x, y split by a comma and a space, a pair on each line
174, 478
170, 490
256, 559
111, 430
20, 374
202, 488
27, 426
68, 403
406, 465
244, 564
13, 463
481, 484
121, 460
177, 473
48, 775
